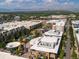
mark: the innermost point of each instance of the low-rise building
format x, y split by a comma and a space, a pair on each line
75, 26
58, 16
48, 44
4, 55
15, 27
58, 24
18, 24
15, 24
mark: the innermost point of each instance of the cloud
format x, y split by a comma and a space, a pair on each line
40, 4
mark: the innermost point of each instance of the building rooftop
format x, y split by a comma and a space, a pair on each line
35, 40
4, 55
50, 41
47, 44
59, 22
58, 16
53, 33
15, 24
75, 26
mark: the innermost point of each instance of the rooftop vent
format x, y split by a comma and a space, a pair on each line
45, 44
57, 41
53, 45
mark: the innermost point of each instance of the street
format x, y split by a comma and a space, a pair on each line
68, 45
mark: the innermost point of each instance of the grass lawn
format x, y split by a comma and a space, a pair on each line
61, 54
74, 55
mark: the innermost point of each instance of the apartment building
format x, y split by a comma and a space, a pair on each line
75, 26
57, 24
11, 28
58, 16
49, 43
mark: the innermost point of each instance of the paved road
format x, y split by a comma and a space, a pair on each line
68, 46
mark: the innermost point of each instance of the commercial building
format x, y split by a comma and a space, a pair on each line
75, 26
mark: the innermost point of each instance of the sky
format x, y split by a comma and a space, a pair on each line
40, 4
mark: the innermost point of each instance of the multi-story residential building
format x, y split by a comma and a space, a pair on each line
58, 24
11, 28
49, 43
15, 24
58, 17
75, 26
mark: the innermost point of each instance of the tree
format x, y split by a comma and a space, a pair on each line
74, 55
61, 54
35, 33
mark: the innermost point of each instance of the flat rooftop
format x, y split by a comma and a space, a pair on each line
15, 24
59, 16
53, 33
59, 22
75, 26
50, 41
47, 44
4, 55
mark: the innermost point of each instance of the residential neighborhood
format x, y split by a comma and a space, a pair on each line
52, 38
39, 29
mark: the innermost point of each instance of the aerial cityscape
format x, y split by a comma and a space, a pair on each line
39, 29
